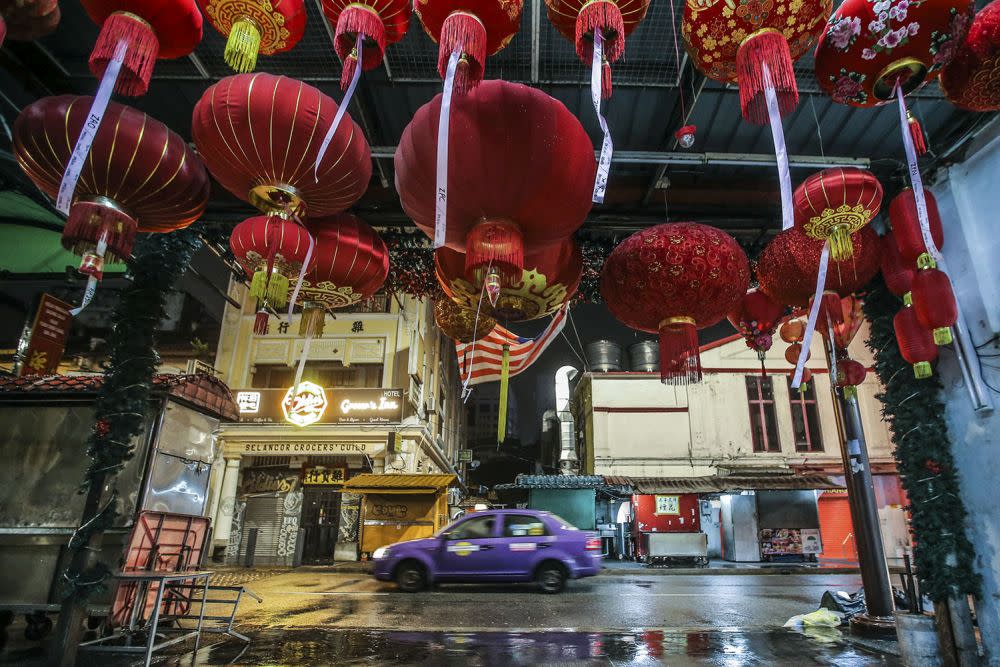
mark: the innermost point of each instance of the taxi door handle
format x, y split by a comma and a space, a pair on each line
544, 545
484, 547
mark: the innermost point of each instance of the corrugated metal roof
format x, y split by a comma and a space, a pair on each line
730, 483
558, 482
414, 483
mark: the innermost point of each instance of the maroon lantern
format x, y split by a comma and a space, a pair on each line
850, 374
756, 317
896, 271
934, 300
906, 224
916, 343
674, 279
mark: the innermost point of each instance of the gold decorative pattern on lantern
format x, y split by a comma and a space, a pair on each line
529, 299
271, 23
328, 294
852, 218
461, 324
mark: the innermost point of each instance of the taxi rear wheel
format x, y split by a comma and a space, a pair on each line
550, 577
411, 577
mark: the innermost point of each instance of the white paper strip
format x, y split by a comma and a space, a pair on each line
341, 110
444, 119
824, 262
92, 281
306, 345
302, 275
780, 152
64, 198
607, 147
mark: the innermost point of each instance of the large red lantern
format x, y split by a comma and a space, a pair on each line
906, 225
479, 28
756, 317
972, 79
27, 20
255, 26
868, 47
549, 279
897, 272
916, 344
377, 22
778, 273
520, 174
152, 29
260, 134
850, 374
674, 279
934, 301
140, 176
834, 204
463, 325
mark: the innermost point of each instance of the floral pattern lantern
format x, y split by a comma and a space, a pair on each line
377, 23
674, 279
27, 20
255, 26
756, 317
462, 325
972, 79
835, 203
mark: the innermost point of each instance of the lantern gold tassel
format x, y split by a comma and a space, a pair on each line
504, 387
312, 320
275, 290
242, 45
841, 246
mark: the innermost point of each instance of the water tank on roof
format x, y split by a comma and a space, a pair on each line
604, 356
644, 356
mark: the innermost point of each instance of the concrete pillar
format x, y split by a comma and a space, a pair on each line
227, 502
215, 484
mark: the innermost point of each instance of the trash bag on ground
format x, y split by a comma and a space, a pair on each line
852, 604
825, 618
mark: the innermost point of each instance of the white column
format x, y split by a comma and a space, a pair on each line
227, 502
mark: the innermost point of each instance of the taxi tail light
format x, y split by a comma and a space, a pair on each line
593, 544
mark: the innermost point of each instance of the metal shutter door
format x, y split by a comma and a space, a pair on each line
265, 514
836, 528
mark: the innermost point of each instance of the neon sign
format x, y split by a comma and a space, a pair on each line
305, 404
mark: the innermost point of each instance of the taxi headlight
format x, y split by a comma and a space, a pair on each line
380, 553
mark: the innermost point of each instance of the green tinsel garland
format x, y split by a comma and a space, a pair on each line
915, 413
411, 265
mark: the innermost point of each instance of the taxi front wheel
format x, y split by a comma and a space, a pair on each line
550, 577
411, 577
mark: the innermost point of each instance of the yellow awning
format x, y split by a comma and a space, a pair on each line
372, 483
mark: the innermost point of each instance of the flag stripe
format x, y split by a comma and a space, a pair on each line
482, 362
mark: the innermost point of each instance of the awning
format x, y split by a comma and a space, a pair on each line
387, 484
733, 483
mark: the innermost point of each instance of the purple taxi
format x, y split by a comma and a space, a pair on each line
494, 546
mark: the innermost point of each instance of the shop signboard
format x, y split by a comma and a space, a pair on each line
268, 481
309, 404
667, 505
324, 476
47, 338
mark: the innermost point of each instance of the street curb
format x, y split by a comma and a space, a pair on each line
365, 567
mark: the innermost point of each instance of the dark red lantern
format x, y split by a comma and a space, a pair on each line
792, 331
756, 317
255, 26
153, 29
140, 176
868, 47
934, 301
830, 313
616, 19
479, 27
549, 279
674, 279
520, 175
259, 135
916, 344
850, 374
972, 79
834, 204
897, 272
378, 22
906, 225
462, 325
352, 262
27, 20
851, 318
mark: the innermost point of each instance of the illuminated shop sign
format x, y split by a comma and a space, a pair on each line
304, 404
310, 404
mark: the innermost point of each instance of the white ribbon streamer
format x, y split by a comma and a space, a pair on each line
302, 274
302, 364
780, 152
824, 262
444, 119
607, 147
917, 181
342, 109
92, 281
64, 199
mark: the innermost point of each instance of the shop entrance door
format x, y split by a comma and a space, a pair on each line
320, 524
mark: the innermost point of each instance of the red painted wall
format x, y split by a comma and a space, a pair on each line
647, 521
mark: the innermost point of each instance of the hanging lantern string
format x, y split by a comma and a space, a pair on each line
466, 391
780, 151
358, 45
94, 278
677, 55
305, 265
607, 147
441, 198
824, 261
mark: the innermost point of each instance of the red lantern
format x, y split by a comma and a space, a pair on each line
379, 22
259, 135
830, 313
906, 224
352, 262
27, 20
835, 203
479, 27
549, 279
520, 175
616, 19
255, 26
868, 47
972, 79
806, 379
140, 175
461, 324
153, 29
756, 317
733, 42
778, 273
897, 272
851, 318
792, 331
792, 353
916, 343
850, 374
673, 279
934, 301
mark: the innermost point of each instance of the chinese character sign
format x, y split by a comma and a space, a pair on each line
668, 505
47, 339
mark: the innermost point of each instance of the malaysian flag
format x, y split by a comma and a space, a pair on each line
481, 360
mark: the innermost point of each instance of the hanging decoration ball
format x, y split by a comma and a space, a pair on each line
897, 272
778, 273
735, 42
549, 279
674, 279
868, 47
916, 343
792, 331
577, 20
460, 324
933, 300
153, 29
27, 20
254, 27
972, 79
259, 136
271, 250
835, 203
479, 28
520, 176
378, 22
351, 265
140, 176
756, 317
906, 225
792, 353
